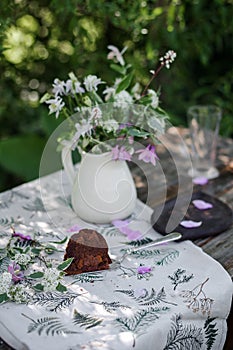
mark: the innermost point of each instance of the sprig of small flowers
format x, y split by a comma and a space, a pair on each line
92, 128
19, 279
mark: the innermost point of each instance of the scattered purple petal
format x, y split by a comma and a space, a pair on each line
202, 205
123, 227
120, 223
143, 269
74, 228
140, 293
14, 270
20, 235
190, 223
201, 180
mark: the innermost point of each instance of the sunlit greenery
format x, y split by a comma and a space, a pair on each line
44, 39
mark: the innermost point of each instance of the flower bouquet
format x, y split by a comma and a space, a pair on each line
132, 113
107, 125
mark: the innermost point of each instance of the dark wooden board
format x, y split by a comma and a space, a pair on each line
214, 220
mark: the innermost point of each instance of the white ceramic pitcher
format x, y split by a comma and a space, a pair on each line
102, 189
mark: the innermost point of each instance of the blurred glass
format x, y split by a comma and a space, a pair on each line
204, 124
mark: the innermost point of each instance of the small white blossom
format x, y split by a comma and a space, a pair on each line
51, 274
154, 98
116, 54
110, 125
73, 87
22, 259
136, 91
91, 82
168, 58
109, 92
5, 282
122, 99
96, 115
50, 279
17, 293
58, 87
55, 105
50, 286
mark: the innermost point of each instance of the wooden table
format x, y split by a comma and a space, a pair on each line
220, 247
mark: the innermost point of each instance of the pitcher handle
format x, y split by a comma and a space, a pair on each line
67, 162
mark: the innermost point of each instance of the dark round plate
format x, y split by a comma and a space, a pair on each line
214, 220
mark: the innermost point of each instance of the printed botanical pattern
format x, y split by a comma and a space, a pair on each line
48, 326
140, 321
147, 299
210, 332
161, 257
112, 306
56, 326
184, 337
197, 300
89, 277
179, 277
53, 301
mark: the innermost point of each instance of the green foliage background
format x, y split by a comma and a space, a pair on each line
44, 39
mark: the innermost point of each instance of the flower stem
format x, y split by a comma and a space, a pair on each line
151, 79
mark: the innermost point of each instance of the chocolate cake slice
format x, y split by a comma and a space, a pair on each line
89, 250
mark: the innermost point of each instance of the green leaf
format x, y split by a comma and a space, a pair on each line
36, 251
63, 266
137, 133
36, 275
118, 69
124, 84
60, 242
38, 287
3, 298
61, 288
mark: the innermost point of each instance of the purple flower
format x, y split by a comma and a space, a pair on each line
14, 270
143, 269
124, 125
123, 227
190, 223
74, 228
148, 154
20, 235
202, 205
201, 180
120, 153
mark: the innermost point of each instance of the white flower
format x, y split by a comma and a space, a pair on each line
96, 114
22, 259
136, 90
109, 92
91, 82
110, 125
51, 274
5, 282
17, 293
58, 87
168, 58
154, 98
122, 99
73, 85
55, 105
50, 279
82, 129
115, 53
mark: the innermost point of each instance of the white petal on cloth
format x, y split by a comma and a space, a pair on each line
115, 309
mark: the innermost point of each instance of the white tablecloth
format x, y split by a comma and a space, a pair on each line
182, 303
